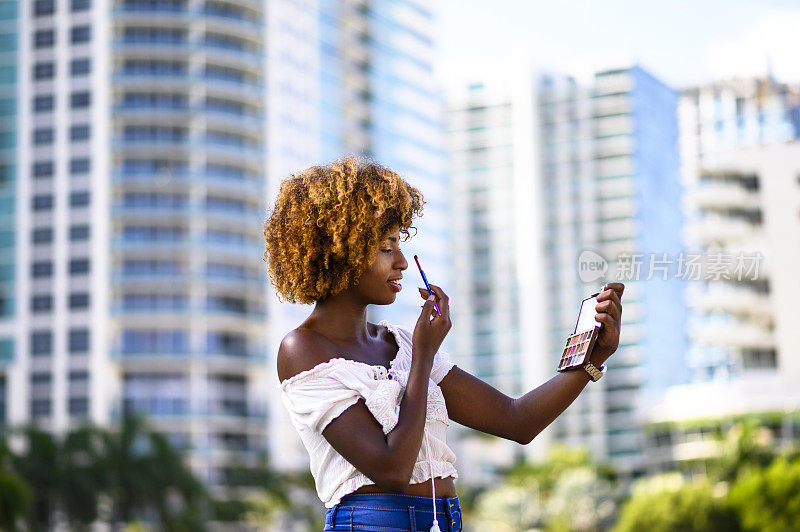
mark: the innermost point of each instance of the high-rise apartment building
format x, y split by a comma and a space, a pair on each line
540, 175
725, 212
740, 161
744, 346
140, 162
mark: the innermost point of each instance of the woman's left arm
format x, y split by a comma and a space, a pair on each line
475, 404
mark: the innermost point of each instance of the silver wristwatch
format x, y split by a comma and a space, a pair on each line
593, 372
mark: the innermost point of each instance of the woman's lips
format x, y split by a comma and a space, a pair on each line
395, 286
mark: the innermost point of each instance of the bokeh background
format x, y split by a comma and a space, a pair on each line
559, 146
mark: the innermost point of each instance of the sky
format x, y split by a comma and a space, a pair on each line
683, 42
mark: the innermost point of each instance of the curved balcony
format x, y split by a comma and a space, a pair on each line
231, 150
230, 186
162, 12
147, 212
243, 91
213, 149
208, 415
152, 148
723, 229
246, 92
137, 114
732, 332
722, 196
153, 49
222, 251
153, 80
219, 217
247, 124
241, 58
737, 301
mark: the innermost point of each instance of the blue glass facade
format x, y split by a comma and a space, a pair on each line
8, 173
659, 222
8, 164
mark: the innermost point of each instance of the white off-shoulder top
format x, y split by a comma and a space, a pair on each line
315, 397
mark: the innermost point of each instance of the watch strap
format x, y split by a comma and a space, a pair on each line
595, 373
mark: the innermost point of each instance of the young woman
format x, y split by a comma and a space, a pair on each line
372, 402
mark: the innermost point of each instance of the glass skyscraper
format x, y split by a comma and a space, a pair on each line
551, 168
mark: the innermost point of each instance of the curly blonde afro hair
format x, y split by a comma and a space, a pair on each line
327, 224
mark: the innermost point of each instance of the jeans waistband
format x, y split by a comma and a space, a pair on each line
448, 509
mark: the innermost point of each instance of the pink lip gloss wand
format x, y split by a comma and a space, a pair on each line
428, 286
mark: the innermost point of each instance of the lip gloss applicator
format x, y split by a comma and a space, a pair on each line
427, 285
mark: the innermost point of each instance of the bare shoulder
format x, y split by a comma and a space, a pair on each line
300, 350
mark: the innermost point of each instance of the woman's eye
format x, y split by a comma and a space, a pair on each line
387, 250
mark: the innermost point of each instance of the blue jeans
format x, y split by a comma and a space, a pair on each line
387, 512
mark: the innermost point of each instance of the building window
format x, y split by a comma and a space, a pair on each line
42, 268
80, 99
78, 300
43, 135
44, 38
41, 343
78, 341
78, 266
6, 173
79, 133
42, 303
42, 104
42, 235
79, 198
42, 8
80, 34
41, 377
40, 408
80, 67
45, 70
79, 165
78, 406
78, 375
78, 232
42, 169
80, 5
42, 202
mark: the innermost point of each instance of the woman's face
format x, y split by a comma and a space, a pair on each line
380, 283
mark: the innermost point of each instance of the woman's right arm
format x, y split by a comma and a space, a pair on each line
388, 460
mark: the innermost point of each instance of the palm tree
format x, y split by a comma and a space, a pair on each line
84, 475
14, 493
39, 465
147, 476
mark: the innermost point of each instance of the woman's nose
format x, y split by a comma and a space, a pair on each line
402, 263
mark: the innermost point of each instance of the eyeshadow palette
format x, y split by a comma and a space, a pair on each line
580, 343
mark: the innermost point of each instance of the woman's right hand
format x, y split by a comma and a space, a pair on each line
431, 328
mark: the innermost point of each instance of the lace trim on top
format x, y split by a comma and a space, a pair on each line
322, 367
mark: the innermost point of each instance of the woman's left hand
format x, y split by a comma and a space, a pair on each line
609, 313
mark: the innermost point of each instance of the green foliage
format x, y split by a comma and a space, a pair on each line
565, 492
134, 468
15, 494
686, 507
747, 446
768, 500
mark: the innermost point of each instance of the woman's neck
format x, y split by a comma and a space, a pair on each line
341, 318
